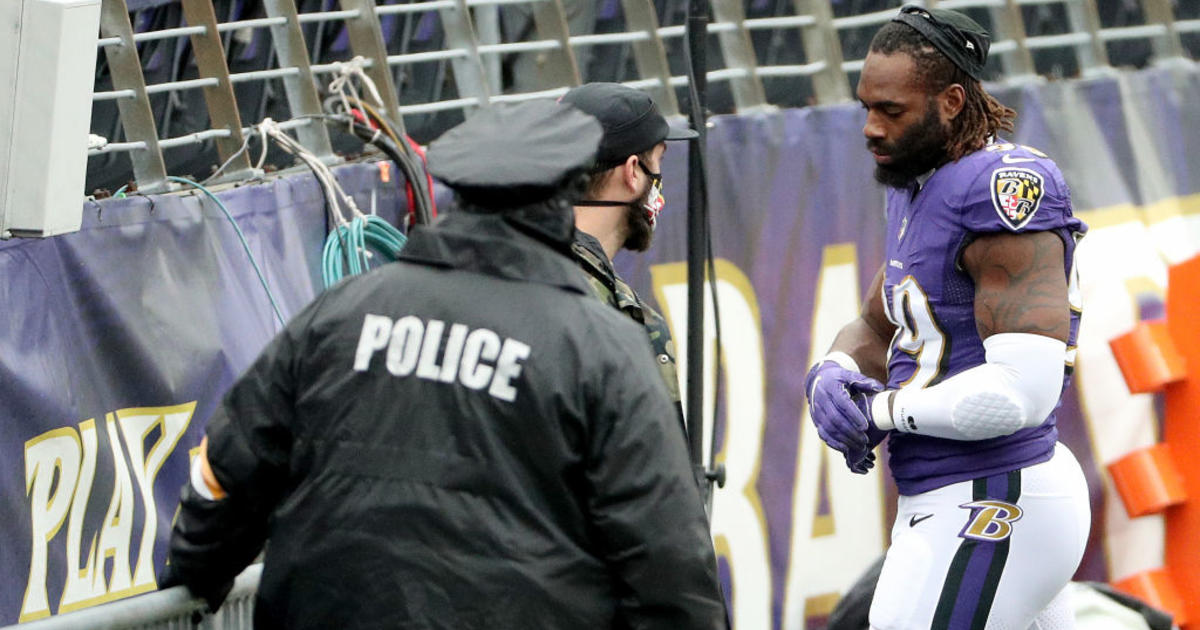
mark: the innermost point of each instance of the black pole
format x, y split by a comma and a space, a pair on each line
698, 252
697, 227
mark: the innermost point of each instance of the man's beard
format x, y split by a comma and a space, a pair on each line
637, 224
920, 149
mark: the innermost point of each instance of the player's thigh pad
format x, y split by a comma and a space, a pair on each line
987, 554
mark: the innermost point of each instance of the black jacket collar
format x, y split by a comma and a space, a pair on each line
488, 244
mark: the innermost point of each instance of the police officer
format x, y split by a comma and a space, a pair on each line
622, 203
459, 439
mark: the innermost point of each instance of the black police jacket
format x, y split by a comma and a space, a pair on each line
462, 439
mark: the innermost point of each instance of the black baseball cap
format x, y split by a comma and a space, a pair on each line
631, 120
509, 154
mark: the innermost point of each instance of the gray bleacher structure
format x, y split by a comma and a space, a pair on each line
181, 81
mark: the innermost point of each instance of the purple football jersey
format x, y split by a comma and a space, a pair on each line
930, 297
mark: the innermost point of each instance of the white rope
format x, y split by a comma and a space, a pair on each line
342, 83
262, 157
337, 197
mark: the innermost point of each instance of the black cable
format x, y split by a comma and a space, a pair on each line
415, 178
414, 175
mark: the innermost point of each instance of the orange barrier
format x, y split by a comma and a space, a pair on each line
1157, 588
1165, 356
1148, 358
1148, 480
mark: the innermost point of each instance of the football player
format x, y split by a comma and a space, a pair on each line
963, 347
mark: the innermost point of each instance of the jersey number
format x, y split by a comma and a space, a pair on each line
917, 332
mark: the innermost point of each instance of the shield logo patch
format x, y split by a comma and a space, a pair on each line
1016, 194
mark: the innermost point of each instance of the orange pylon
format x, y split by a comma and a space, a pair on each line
1165, 356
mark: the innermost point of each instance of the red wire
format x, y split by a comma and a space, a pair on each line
428, 178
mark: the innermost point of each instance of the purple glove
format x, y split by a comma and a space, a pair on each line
840, 409
860, 461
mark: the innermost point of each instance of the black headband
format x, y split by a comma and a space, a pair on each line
961, 39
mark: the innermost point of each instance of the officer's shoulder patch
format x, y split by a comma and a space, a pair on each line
1016, 194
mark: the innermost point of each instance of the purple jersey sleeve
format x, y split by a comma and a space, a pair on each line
1015, 190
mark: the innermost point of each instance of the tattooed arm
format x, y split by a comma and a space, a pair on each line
1023, 318
1020, 284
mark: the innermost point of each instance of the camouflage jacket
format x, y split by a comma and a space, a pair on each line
610, 288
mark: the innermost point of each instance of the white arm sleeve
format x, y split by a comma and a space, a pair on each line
1017, 387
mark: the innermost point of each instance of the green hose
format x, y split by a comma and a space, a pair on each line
351, 247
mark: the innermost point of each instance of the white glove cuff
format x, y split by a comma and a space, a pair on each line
841, 358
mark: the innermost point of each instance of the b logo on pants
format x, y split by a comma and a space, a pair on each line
991, 520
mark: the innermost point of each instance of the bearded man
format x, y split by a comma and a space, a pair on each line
621, 206
964, 345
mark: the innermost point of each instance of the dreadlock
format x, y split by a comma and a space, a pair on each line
982, 116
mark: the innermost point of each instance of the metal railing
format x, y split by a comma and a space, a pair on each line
168, 609
825, 72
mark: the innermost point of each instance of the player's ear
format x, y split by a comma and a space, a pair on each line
951, 101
